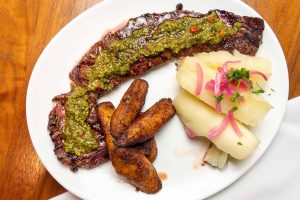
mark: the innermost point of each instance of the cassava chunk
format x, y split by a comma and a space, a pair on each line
201, 119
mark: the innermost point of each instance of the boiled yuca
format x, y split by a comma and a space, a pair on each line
215, 157
218, 58
249, 112
202, 118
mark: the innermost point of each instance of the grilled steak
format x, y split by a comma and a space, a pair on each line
246, 40
56, 125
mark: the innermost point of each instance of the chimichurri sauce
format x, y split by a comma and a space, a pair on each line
116, 59
79, 137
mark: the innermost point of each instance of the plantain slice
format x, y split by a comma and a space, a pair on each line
129, 108
105, 111
137, 169
145, 127
148, 148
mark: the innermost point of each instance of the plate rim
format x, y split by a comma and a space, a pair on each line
61, 32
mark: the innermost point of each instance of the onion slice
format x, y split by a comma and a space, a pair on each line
210, 85
216, 131
217, 83
199, 79
234, 124
259, 73
229, 118
229, 62
190, 132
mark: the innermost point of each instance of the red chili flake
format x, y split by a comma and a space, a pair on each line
194, 29
222, 33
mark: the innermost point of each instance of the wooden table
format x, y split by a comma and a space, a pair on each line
26, 28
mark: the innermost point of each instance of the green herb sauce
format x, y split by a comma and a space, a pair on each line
173, 35
79, 137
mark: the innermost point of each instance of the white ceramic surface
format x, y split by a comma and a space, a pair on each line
177, 153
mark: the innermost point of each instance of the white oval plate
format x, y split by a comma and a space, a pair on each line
50, 78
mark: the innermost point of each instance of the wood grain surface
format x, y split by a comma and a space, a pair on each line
26, 28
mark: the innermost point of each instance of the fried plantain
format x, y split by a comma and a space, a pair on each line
129, 108
145, 127
137, 169
105, 111
148, 148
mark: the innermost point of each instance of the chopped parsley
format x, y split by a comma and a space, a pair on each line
220, 98
250, 84
237, 95
260, 91
239, 143
238, 74
234, 109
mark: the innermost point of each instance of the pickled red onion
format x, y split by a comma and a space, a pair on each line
228, 118
223, 85
190, 132
229, 62
244, 84
217, 83
234, 124
216, 131
199, 79
242, 100
259, 73
230, 90
210, 85
225, 88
